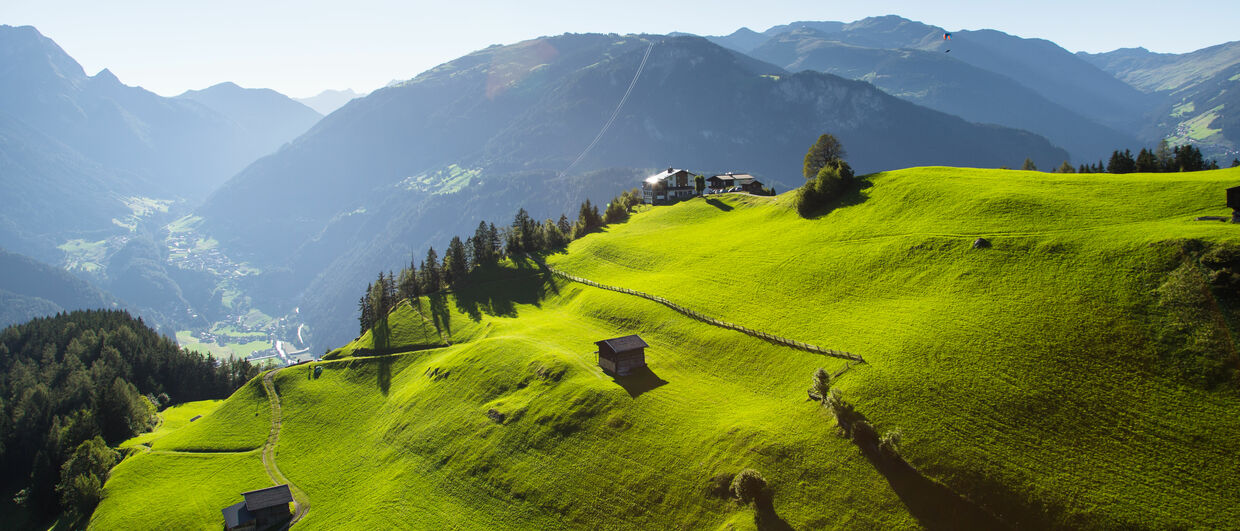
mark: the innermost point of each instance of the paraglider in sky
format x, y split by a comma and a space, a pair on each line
947, 36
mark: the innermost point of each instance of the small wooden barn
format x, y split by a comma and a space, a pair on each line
261, 509
620, 355
1233, 198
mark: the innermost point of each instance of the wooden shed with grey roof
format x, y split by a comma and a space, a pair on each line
620, 355
261, 509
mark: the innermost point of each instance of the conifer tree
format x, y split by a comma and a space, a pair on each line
365, 317
1164, 155
482, 245
1065, 168
497, 244
565, 226
454, 260
1146, 162
1028, 165
1235, 163
431, 277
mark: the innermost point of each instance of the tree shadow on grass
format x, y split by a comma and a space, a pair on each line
719, 204
638, 381
497, 291
933, 504
765, 517
855, 195
384, 374
441, 317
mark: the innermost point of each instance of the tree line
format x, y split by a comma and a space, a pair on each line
75, 383
487, 246
1163, 159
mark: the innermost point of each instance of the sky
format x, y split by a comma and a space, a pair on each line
300, 48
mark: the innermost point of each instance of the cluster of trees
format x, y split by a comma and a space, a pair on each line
1163, 159
828, 176
74, 383
488, 246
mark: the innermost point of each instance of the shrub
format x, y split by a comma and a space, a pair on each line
747, 486
890, 442
832, 182
821, 384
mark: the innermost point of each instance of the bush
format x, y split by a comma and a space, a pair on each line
833, 181
890, 442
747, 486
820, 384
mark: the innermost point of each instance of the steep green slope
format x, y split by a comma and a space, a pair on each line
1069, 365
1079, 372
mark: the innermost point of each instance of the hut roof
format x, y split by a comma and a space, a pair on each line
268, 497
235, 515
621, 344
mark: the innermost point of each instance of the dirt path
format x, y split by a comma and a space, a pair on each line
301, 502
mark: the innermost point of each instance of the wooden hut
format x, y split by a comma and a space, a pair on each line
261, 509
620, 355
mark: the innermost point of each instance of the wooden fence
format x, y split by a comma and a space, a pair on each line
711, 320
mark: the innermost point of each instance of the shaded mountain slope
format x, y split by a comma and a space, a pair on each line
32, 289
944, 83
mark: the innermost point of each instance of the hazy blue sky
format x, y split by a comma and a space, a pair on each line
300, 48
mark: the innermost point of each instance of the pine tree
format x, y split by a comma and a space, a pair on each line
482, 245
1028, 165
455, 263
565, 226
365, 318
408, 286
553, 237
1146, 162
1164, 155
1121, 162
431, 278
391, 295
1065, 168
497, 244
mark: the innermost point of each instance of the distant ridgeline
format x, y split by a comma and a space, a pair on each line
77, 382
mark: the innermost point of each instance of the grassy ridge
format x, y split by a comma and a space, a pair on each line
1062, 376
152, 490
240, 423
1034, 370
574, 447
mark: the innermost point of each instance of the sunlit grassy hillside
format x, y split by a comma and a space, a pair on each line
1078, 365
1078, 372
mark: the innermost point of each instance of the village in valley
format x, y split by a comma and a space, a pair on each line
243, 331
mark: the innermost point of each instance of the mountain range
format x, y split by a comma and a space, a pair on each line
542, 124
80, 149
328, 101
480, 136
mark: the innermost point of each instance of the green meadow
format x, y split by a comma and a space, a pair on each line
1078, 372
